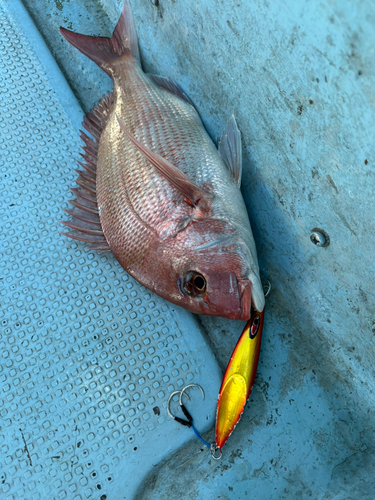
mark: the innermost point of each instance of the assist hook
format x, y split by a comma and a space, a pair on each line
182, 392
178, 419
189, 419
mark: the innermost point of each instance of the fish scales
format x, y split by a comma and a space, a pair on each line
168, 126
185, 236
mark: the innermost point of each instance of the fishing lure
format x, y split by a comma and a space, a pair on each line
235, 388
238, 379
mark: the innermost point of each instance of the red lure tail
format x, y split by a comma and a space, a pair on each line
238, 379
106, 52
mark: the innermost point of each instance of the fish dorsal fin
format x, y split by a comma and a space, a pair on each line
230, 149
86, 224
178, 179
168, 84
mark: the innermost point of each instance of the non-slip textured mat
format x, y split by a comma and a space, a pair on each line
88, 357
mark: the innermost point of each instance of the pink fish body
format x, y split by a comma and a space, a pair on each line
157, 192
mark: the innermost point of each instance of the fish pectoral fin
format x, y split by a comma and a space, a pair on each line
230, 148
178, 179
172, 228
168, 84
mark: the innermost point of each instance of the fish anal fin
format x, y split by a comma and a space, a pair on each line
176, 178
230, 148
168, 84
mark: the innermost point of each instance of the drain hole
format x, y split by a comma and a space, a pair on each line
319, 237
99, 486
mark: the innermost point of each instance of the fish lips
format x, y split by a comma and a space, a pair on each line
244, 288
236, 305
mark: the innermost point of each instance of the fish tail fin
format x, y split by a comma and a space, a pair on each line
105, 52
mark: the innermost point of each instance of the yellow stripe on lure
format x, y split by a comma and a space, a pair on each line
238, 379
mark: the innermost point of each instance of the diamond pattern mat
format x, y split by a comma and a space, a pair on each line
88, 357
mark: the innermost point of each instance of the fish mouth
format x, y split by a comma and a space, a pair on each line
244, 288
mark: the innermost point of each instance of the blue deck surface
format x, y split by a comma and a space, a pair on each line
300, 79
89, 356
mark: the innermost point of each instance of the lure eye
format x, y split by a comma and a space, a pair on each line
254, 327
195, 284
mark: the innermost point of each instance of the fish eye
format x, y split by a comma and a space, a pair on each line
194, 284
199, 282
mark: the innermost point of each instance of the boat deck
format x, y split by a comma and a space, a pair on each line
89, 357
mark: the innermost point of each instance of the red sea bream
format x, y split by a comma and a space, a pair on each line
156, 191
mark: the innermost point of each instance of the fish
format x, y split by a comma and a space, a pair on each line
238, 379
154, 190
